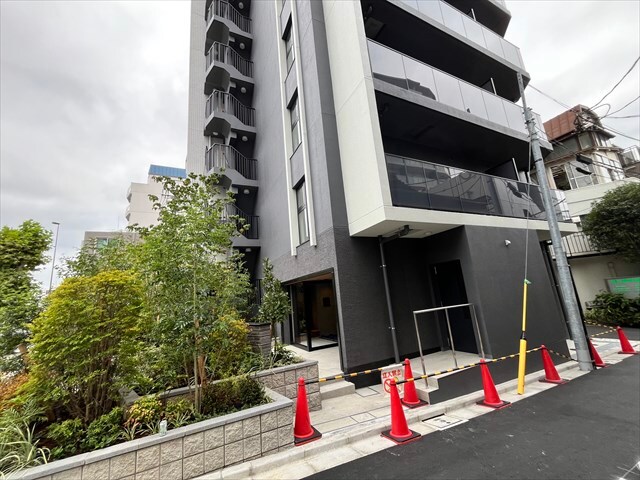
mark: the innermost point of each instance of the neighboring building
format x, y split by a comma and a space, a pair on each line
140, 209
631, 161
587, 165
351, 128
101, 239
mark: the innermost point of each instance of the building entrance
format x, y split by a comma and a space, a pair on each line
315, 316
448, 286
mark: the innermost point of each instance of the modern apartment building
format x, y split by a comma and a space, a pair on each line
378, 145
140, 209
586, 165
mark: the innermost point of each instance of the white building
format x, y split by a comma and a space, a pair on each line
140, 209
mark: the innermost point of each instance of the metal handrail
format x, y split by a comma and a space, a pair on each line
220, 52
224, 9
225, 156
251, 220
446, 312
224, 102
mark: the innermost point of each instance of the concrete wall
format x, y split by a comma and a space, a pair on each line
184, 452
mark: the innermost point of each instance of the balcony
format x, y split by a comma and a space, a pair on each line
224, 10
220, 156
494, 14
452, 18
579, 245
421, 184
251, 222
224, 113
223, 65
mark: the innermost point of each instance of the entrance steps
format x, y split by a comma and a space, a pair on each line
336, 389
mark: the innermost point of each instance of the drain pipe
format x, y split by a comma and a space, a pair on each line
392, 324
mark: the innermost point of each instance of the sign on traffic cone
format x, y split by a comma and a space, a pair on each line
550, 372
399, 432
596, 358
410, 399
303, 432
627, 349
491, 397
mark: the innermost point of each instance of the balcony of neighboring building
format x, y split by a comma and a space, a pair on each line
422, 105
228, 118
493, 14
444, 37
226, 67
579, 245
225, 20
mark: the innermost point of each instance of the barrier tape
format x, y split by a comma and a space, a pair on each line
345, 376
602, 333
561, 355
464, 367
597, 324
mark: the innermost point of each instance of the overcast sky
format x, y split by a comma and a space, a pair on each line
93, 92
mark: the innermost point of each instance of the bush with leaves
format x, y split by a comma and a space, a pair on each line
146, 410
105, 430
231, 395
179, 412
68, 436
84, 343
18, 439
615, 309
10, 386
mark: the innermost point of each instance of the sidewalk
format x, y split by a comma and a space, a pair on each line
351, 424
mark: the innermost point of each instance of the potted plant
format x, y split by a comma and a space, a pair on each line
273, 309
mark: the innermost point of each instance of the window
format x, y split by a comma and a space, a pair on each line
296, 137
568, 177
303, 219
288, 40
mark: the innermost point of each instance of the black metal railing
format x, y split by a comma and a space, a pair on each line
224, 102
220, 8
221, 53
421, 184
225, 156
244, 220
579, 244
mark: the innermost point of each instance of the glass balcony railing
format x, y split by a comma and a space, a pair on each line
420, 184
220, 8
452, 18
405, 72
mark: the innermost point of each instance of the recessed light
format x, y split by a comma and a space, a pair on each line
243, 89
245, 138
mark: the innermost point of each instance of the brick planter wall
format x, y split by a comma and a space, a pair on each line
284, 380
184, 452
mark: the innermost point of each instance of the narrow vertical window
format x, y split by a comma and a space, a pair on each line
295, 124
288, 40
303, 219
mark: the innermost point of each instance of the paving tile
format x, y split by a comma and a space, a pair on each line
362, 417
367, 392
335, 424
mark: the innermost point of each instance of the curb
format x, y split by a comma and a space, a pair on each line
350, 435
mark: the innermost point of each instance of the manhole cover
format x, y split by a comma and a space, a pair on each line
443, 422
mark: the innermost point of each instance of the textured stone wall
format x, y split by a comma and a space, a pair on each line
185, 452
284, 380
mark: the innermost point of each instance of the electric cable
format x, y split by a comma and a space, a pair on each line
619, 82
620, 109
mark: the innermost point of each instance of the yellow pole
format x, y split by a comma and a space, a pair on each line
522, 363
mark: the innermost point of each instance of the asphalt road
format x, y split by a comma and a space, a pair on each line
588, 428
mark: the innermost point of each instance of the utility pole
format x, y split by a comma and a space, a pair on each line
53, 262
564, 274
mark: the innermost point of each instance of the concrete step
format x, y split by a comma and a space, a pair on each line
336, 389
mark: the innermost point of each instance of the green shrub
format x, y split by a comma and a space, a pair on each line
105, 430
615, 309
18, 439
179, 412
146, 410
232, 395
67, 436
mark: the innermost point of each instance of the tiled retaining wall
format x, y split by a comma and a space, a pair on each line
184, 452
284, 380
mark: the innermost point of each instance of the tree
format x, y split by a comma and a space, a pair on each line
85, 341
119, 254
22, 250
275, 304
193, 277
614, 222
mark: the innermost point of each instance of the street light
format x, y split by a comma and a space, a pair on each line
55, 246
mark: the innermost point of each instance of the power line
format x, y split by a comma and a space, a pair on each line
620, 109
627, 116
619, 82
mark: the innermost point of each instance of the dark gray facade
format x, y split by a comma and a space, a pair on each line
486, 270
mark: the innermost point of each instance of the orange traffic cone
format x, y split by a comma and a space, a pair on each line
624, 343
596, 358
410, 399
303, 432
550, 372
399, 432
491, 397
